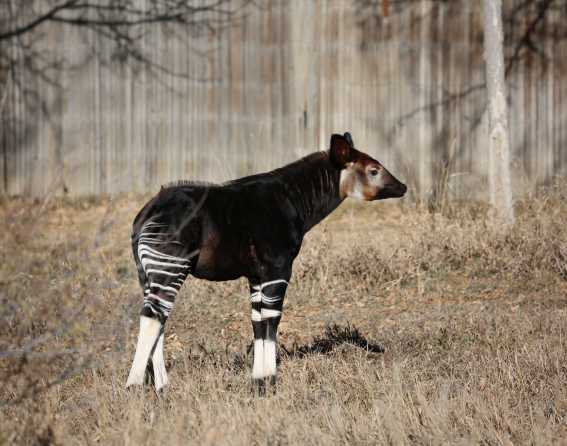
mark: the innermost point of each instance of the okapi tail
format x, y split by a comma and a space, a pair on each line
137, 228
142, 277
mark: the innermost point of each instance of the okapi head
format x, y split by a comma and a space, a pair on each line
362, 176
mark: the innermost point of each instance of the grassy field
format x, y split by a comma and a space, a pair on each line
400, 327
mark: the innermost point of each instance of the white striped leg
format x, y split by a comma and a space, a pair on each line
272, 318
158, 362
258, 366
259, 328
267, 301
264, 365
149, 333
162, 275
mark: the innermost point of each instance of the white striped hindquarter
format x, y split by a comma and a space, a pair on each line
164, 272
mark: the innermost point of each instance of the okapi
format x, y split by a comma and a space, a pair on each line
252, 227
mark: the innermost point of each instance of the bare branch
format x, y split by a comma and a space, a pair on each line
526, 41
37, 21
121, 22
530, 11
449, 99
73, 12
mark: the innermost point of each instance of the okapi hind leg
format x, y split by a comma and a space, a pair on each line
150, 329
156, 365
163, 266
149, 363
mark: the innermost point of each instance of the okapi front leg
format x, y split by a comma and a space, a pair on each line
267, 303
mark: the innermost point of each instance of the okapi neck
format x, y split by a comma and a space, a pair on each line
314, 190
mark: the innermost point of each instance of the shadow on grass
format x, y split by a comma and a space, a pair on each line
334, 337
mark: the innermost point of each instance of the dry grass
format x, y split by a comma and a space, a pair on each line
471, 319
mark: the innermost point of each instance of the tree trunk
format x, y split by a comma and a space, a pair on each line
498, 139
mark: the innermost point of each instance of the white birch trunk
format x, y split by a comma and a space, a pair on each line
498, 139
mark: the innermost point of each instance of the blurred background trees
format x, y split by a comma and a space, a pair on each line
120, 95
121, 22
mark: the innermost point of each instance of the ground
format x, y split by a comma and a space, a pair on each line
401, 326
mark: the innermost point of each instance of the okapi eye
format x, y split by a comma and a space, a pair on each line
373, 172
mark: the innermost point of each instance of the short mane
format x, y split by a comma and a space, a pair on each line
180, 183
299, 165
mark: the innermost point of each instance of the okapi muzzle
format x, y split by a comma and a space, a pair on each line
363, 177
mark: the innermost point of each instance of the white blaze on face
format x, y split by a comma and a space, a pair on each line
376, 180
348, 186
360, 182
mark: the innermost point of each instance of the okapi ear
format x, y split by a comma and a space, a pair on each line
349, 139
340, 150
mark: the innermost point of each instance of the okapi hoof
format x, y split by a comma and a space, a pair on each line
148, 380
144, 388
264, 386
136, 381
132, 385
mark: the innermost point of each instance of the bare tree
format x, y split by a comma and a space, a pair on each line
531, 29
525, 33
30, 62
123, 22
498, 137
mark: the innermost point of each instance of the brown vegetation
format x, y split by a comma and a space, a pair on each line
471, 320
